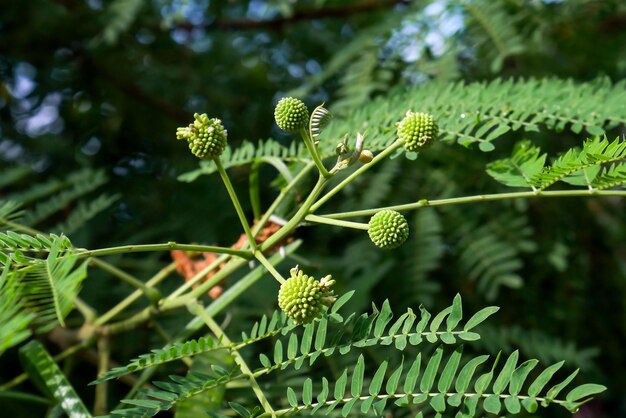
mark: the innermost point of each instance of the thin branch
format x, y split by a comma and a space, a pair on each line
278, 23
479, 198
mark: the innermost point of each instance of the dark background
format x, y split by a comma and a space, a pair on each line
103, 86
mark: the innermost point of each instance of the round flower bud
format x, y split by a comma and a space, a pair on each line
366, 156
206, 137
291, 114
388, 229
303, 298
417, 130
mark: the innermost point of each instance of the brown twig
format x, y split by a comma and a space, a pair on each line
298, 16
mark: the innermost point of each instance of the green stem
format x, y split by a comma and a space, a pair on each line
234, 291
85, 310
130, 323
163, 247
281, 196
297, 217
169, 304
383, 154
198, 310
235, 200
104, 355
255, 196
152, 294
126, 302
19, 227
298, 408
176, 300
314, 153
480, 198
259, 256
336, 222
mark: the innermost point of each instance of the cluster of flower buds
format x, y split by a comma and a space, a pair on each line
303, 298
388, 229
206, 137
417, 130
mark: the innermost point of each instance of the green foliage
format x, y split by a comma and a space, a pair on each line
14, 319
49, 287
493, 31
439, 387
535, 343
468, 113
45, 372
490, 254
332, 334
578, 167
262, 329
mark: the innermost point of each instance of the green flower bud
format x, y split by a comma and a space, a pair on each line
303, 298
388, 229
291, 114
206, 137
417, 130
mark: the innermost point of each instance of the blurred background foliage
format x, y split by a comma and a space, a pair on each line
91, 93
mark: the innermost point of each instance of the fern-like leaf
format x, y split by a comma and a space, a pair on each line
466, 113
535, 343
578, 167
500, 39
490, 254
85, 182
176, 390
9, 211
50, 286
14, 320
442, 386
352, 332
264, 328
43, 370
85, 212
320, 339
14, 245
525, 163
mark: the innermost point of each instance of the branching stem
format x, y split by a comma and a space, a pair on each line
152, 294
235, 200
314, 153
163, 247
478, 198
382, 155
336, 222
259, 256
126, 302
198, 310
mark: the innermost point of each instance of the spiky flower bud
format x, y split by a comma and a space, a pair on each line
206, 137
291, 114
417, 130
302, 298
388, 229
